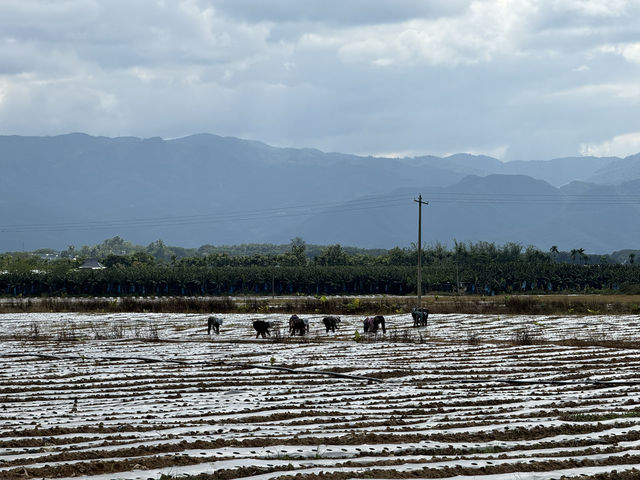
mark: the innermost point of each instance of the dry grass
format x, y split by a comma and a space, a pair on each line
439, 304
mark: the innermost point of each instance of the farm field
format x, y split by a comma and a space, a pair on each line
152, 396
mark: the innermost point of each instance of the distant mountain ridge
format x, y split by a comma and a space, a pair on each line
79, 189
496, 208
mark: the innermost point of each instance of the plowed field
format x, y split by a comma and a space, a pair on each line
151, 396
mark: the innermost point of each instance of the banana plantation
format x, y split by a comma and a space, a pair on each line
483, 278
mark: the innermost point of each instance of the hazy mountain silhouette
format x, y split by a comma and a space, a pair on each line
78, 189
618, 170
496, 208
557, 172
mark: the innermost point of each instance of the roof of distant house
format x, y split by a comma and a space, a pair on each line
92, 264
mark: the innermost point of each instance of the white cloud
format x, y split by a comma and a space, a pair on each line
403, 154
485, 30
594, 8
145, 75
491, 29
619, 146
498, 152
630, 51
408, 77
3, 91
495, 152
625, 91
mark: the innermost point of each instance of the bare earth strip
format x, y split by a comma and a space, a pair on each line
152, 396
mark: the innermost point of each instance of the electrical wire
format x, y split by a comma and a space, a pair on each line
374, 202
268, 213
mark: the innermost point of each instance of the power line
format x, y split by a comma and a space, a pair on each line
366, 203
268, 213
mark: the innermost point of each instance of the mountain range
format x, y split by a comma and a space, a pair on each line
78, 189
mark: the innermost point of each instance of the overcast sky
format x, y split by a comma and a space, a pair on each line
515, 79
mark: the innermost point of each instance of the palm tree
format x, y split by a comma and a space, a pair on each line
583, 255
554, 252
574, 252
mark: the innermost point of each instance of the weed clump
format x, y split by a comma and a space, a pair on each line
525, 336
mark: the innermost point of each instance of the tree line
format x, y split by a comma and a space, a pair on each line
474, 268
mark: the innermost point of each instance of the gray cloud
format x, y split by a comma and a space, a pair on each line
345, 13
525, 78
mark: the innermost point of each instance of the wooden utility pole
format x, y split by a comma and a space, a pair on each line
273, 280
420, 203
